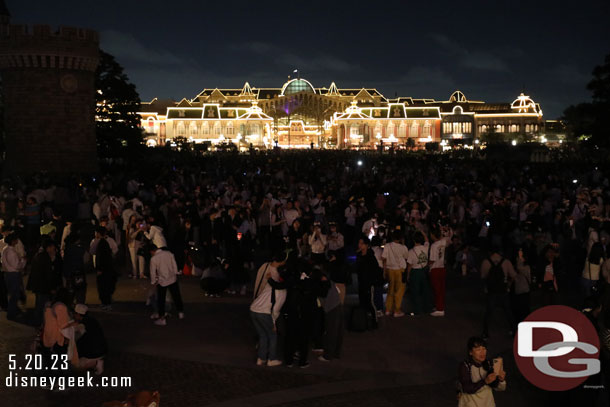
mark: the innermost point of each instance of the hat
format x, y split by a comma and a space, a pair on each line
81, 309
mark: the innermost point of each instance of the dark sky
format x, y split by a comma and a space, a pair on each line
490, 50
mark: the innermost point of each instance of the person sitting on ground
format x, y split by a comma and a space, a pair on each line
91, 345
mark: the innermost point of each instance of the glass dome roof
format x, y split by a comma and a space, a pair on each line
296, 86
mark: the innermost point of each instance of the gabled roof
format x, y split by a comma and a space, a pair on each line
184, 103
363, 95
217, 95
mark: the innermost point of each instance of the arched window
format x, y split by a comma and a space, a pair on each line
180, 129
414, 132
378, 131
527, 128
391, 129
217, 128
427, 128
255, 129
402, 129
205, 128
193, 129
229, 128
354, 130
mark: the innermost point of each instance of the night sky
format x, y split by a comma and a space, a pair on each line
490, 50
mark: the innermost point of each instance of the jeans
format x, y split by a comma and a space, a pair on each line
13, 282
267, 337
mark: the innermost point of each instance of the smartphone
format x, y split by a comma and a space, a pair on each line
498, 365
487, 223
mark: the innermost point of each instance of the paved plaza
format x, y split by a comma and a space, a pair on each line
208, 358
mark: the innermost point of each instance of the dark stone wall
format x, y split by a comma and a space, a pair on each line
48, 88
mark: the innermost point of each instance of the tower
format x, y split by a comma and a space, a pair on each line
48, 85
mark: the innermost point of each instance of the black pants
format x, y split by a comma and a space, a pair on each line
318, 328
333, 339
521, 306
3, 292
298, 334
494, 301
174, 290
106, 283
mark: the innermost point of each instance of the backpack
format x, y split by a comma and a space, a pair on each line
496, 280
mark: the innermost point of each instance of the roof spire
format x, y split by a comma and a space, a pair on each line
333, 91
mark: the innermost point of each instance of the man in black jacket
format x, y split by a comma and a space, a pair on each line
45, 278
368, 271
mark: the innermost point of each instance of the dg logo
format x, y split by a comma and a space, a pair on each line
557, 348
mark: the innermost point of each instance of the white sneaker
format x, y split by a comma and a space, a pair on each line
161, 322
260, 362
181, 315
438, 314
272, 363
154, 316
99, 367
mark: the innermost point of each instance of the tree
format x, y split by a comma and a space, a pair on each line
589, 119
117, 102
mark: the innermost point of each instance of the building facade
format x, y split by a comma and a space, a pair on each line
299, 115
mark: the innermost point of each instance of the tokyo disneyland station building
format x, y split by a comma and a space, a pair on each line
300, 115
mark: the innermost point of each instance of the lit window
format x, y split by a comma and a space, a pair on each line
181, 130
427, 127
414, 132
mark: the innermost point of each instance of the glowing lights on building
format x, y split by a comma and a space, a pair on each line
297, 115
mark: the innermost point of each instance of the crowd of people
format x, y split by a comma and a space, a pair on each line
300, 228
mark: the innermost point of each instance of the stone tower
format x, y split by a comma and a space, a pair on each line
48, 92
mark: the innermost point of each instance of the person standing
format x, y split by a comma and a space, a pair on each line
333, 320
438, 273
523, 280
269, 297
498, 273
417, 269
12, 267
163, 272
104, 268
394, 263
45, 277
367, 270
135, 239
317, 241
75, 257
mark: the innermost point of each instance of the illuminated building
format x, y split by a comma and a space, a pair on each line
298, 115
